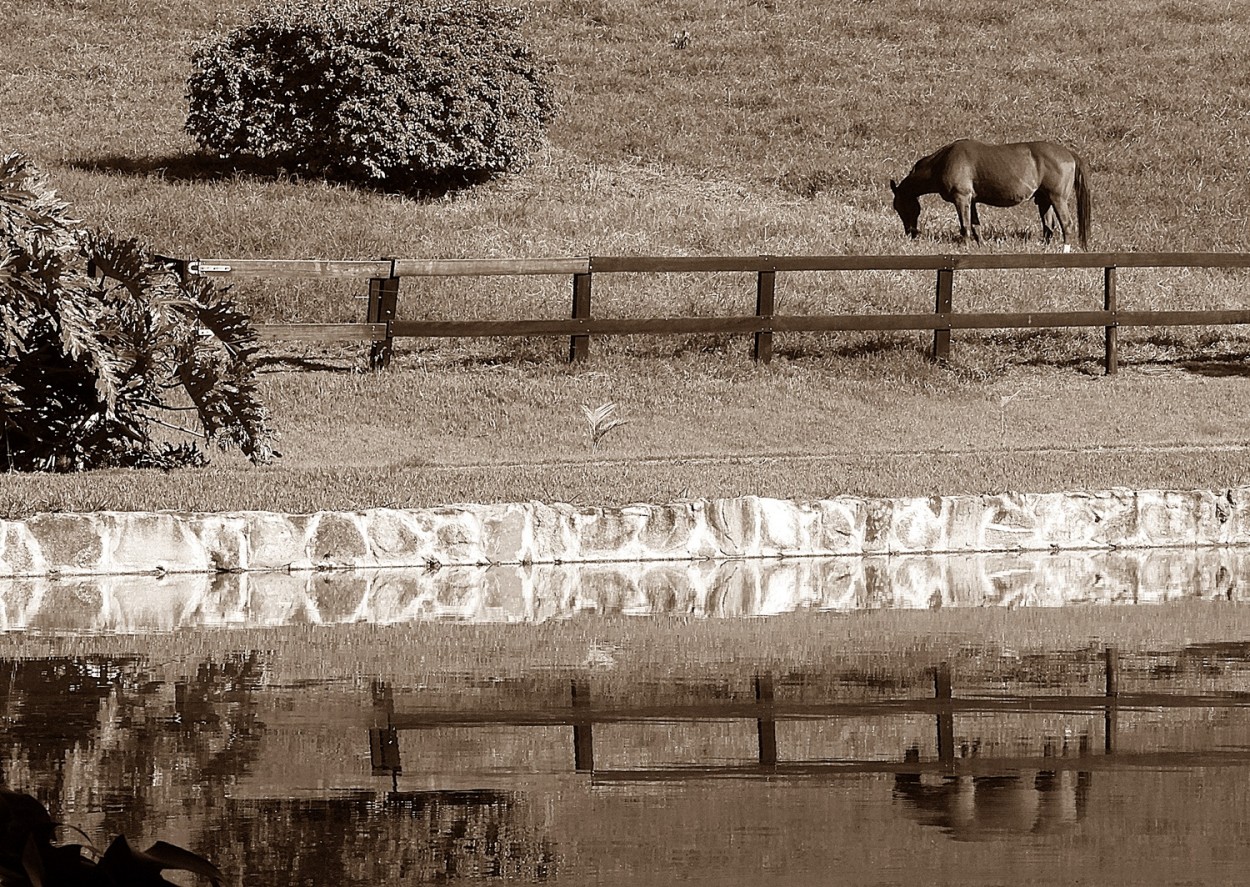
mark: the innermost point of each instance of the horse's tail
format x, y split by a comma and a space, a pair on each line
1081, 181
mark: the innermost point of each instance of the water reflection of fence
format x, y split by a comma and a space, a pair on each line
583, 715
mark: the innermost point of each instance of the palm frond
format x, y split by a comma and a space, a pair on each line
600, 420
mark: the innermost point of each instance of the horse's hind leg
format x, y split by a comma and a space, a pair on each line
966, 209
1047, 212
1064, 215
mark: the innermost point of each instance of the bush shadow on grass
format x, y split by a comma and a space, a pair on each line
1217, 368
276, 363
201, 167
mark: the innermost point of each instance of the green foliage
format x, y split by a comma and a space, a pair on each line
373, 90
96, 364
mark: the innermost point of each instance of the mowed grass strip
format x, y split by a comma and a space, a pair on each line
698, 426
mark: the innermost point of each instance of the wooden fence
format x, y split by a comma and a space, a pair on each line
382, 324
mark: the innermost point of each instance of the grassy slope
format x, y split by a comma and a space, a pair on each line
775, 129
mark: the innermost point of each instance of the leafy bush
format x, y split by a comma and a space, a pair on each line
403, 91
100, 369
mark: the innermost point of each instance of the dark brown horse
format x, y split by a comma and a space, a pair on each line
967, 173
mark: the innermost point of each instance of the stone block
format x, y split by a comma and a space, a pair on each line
705, 541
505, 530
966, 520
663, 531
878, 525
550, 536
19, 551
277, 541
399, 537
336, 540
1011, 522
918, 525
1237, 519
457, 536
1064, 521
842, 525
223, 538
690, 530
1167, 518
787, 527
68, 543
603, 534
733, 526
146, 542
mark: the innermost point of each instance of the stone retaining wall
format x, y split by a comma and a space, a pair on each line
106, 543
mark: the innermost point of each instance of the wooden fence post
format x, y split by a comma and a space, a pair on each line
765, 301
384, 754
943, 691
579, 345
1113, 328
766, 724
942, 336
1111, 713
583, 735
383, 299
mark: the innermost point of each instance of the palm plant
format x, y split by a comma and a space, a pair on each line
600, 420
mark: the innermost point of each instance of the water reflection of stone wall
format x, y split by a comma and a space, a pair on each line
697, 529
539, 592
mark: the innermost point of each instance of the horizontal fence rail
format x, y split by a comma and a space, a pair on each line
382, 325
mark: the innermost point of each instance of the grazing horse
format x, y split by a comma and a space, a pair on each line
967, 173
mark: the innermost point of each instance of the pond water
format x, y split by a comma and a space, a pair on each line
1060, 766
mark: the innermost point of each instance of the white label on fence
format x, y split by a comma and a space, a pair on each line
202, 268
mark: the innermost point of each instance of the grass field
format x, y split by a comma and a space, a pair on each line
704, 127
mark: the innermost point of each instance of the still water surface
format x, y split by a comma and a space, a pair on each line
1029, 773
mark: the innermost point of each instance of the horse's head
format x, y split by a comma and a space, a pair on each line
908, 208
